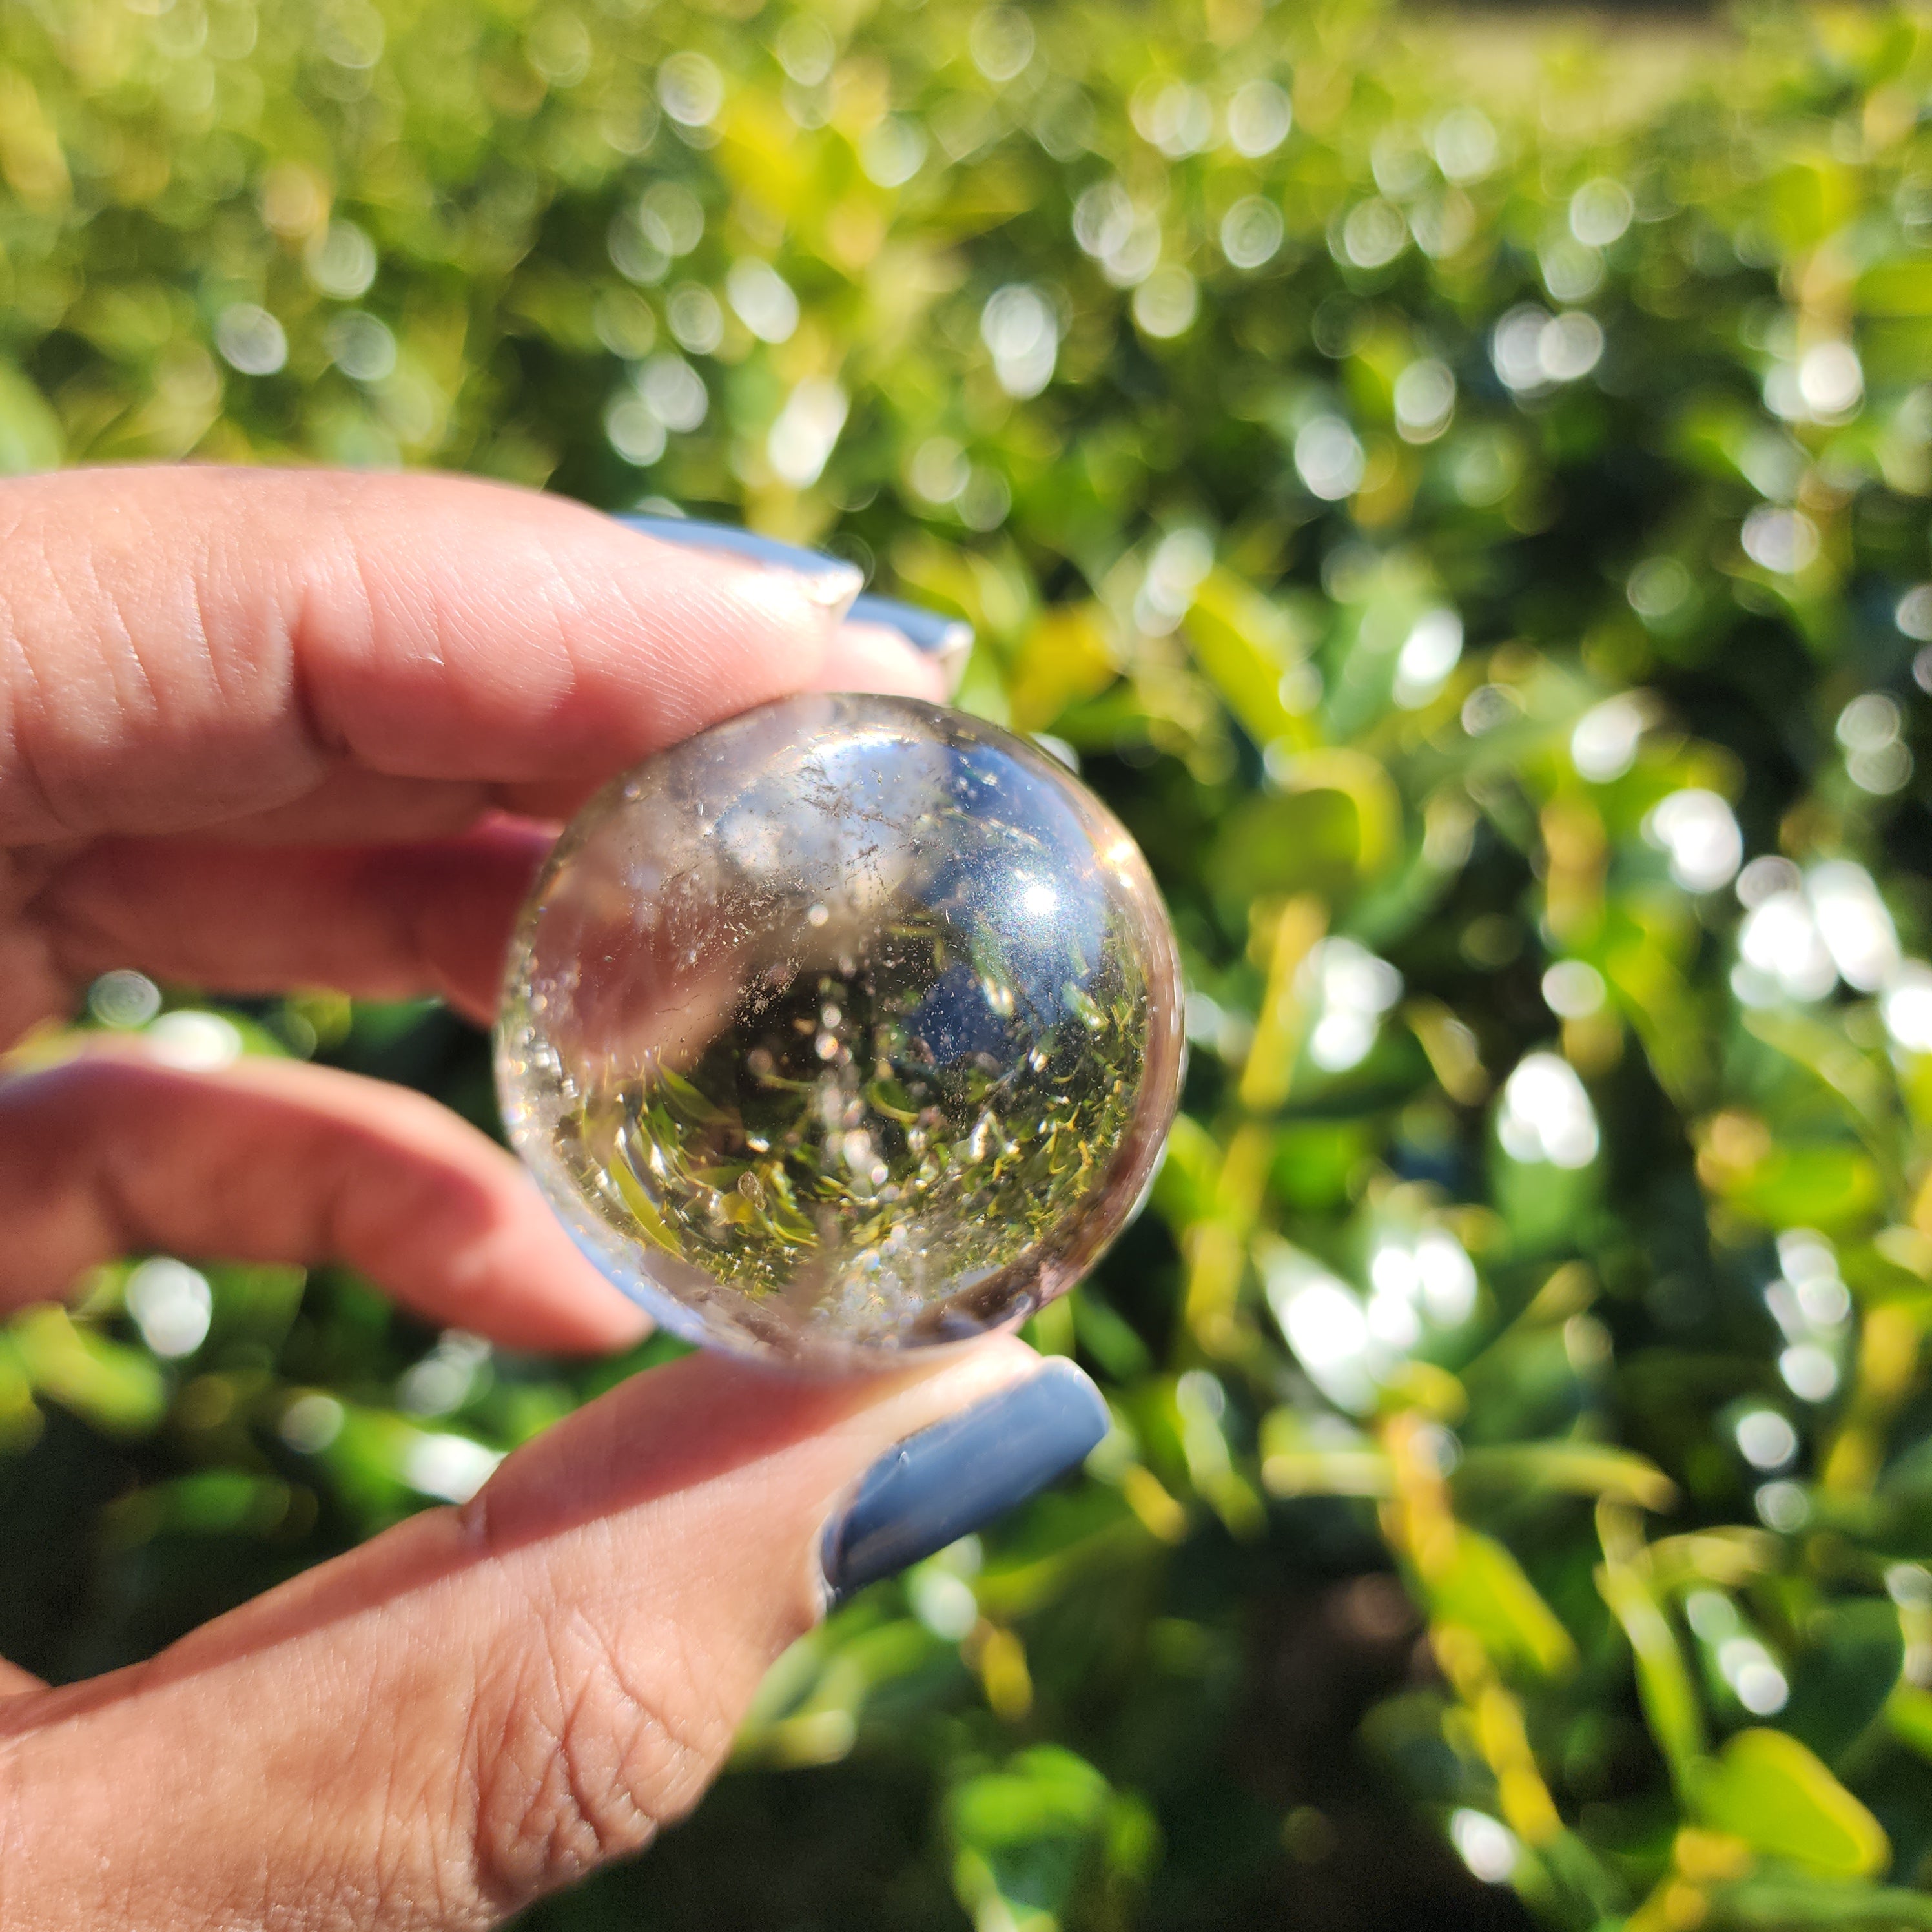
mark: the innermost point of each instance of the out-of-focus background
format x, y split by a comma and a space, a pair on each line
1459, 485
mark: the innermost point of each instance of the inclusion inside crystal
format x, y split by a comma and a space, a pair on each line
850, 1024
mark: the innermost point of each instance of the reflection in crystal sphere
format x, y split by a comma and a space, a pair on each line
850, 1024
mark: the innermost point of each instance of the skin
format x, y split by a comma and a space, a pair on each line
262, 730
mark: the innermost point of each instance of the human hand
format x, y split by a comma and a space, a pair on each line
261, 729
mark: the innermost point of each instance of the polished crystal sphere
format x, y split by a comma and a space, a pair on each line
851, 1025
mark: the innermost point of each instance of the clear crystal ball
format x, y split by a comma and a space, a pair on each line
849, 1025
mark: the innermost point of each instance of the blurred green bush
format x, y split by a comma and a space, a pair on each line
1463, 497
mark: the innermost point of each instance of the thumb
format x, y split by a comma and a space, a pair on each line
484, 1703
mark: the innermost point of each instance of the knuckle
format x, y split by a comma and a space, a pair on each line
582, 1744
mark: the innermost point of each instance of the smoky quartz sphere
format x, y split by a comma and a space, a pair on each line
850, 1025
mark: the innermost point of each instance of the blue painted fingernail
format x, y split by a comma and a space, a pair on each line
694, 533
948, 641
934, 1487
829, 581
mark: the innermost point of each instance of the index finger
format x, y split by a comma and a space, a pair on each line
184, 648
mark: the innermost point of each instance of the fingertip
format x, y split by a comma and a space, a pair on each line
867, 657
943, 641
954, 1475
612, 1323
829, 582
882, 646
515, 1276
580, 1312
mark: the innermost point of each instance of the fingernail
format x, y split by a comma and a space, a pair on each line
947, 641
830, 581
934, 1487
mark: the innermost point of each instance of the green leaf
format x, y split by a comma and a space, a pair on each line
1670, 1706
1577, 1468
1784, 1905
1183, 1188
1483, 1587
1107, 1336
1767, 1789
118, 1389
1818, 1186
1069, 655
31, 436
208, 1503
1042, 1793
1841, 1678
20, 1418
1245, 643
1306, 841
1022, 1834
1902, 288
1908, 1716
1296, 1469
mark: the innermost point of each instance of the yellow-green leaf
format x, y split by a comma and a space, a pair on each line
1897, 288
1245, 643
1579, 1468
1767, 1789
651, 1224
1296, 1467
1670, 1705
114, 1387
1483, 1587
1908, 1716
1183, 1188
1365, 784
1068, 656
31, 436
1818, 1186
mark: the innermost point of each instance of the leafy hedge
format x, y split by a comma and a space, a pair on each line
1475, 540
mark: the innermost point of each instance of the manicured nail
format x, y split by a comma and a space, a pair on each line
934, 1487
830, 581
947, 641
